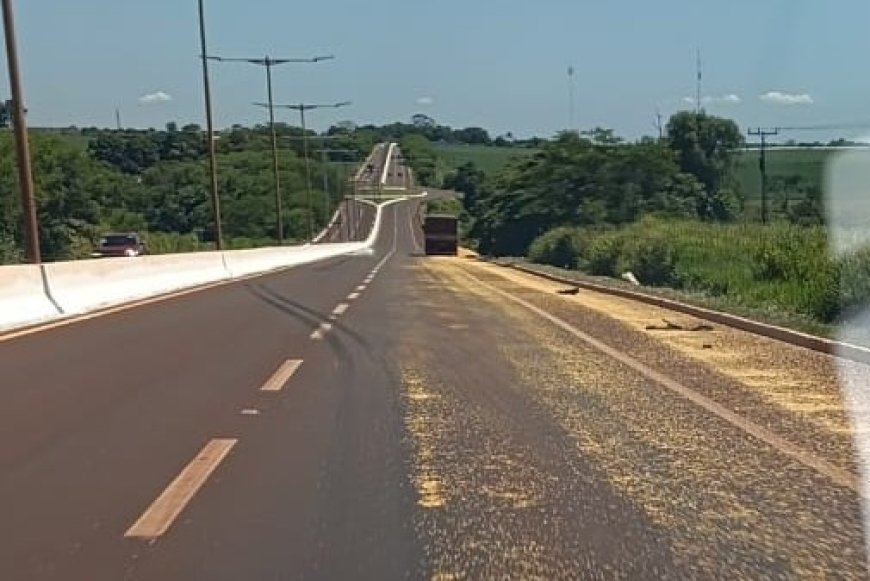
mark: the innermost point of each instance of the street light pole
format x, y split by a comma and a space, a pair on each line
307, 174
279, 216
209, 119
302, 108
268, 62
22, 146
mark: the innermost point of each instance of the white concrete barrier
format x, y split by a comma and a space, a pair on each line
34, 294
246, 262
82, 286
23, 300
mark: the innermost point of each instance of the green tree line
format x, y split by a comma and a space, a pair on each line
156, 182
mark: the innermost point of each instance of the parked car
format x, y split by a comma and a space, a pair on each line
121, 244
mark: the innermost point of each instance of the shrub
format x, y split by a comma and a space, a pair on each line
652, 259
601, 252
854, 271
558, 247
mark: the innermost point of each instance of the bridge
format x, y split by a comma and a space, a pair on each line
349, 409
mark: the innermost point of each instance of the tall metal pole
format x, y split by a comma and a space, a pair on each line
762, 166
22, 147
307, 174
279, 219
209, 120
325, 183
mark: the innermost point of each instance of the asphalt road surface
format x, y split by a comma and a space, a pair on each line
392, 416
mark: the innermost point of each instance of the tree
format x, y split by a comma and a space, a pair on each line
705, 146
468, 179
421, 121
6, 114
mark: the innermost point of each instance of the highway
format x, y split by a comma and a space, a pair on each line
394, 416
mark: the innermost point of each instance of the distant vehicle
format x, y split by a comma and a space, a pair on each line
441, 234
121, 244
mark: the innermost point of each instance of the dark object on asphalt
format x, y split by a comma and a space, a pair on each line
569, 291
121, 244
669, 326
707, 346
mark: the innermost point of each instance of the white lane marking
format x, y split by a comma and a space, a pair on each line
250, 412
321, 331
360, 288
368, 279
340, 309
353, 296
835, 473
282, 375
158, 517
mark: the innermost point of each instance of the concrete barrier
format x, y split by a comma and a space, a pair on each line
247, 262
23, 298
82, 286
33, 294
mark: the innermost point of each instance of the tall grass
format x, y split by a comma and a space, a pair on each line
780, 266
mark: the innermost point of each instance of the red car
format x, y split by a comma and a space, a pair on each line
128, 244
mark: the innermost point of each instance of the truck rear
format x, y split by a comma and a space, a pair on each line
441, 234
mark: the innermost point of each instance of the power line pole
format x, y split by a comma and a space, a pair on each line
658, 124
209, 120
22, 146
118, 118
762, 165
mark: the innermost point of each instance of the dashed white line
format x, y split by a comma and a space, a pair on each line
340, 309
353, 296
158, 517
361, 288
321, 331
282, 375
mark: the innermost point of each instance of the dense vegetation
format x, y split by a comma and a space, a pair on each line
679, 212
155, 182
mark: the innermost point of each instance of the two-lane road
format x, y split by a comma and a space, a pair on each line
421, 418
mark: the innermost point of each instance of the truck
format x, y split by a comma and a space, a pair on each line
441, 234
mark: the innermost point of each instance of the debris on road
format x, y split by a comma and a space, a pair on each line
569, 291
669, 326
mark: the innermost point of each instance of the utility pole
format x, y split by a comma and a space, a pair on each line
762, 165
118, 118
210, 146
302, 108
658, 124
268, 62
22, 146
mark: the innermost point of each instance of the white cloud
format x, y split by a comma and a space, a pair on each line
729, 98
425, 101
780, 98
158, 97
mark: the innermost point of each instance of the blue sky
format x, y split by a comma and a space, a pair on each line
494, 63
